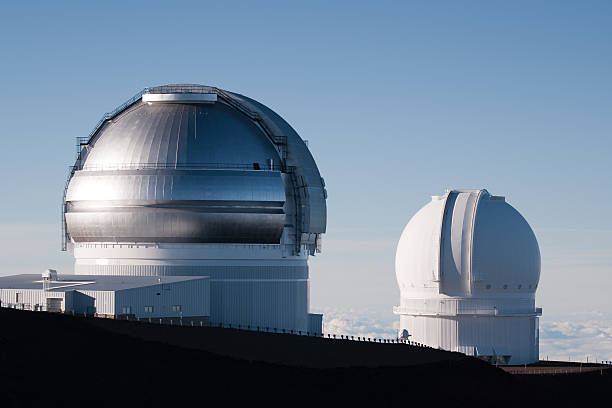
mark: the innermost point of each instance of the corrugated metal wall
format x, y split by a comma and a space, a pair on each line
104, 300
281, 304
274, 296
193, 297
315, 323
79, 302
213, 271
29, 298
518, 334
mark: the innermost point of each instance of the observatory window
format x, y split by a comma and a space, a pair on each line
148, 309
176, 308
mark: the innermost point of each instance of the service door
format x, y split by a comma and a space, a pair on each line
54, 305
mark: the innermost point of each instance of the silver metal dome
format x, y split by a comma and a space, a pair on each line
176, 135
194, 164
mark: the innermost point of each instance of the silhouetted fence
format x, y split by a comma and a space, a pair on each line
198, 322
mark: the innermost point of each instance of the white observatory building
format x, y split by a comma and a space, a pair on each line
468, 266
190, 181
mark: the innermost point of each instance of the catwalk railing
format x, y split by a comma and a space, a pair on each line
189, 322
177, 166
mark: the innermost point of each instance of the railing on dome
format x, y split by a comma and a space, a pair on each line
173, 166
185, 88
468, 311
116, 111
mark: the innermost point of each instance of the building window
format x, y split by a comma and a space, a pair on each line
176, 308
148, 309
127, 310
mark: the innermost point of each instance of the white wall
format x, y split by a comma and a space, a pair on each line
273, 303
518, 334
30, 297
104, 300
192, 295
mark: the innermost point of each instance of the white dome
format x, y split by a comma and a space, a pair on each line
467, 243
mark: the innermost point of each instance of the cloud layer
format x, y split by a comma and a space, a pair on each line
578, 337
360, 322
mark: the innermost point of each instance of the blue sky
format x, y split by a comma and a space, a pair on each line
399, 100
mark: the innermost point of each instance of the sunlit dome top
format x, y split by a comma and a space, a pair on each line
180, 126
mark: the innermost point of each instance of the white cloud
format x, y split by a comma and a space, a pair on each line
576, 337
360, 322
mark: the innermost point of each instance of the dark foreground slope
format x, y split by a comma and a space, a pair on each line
57, 361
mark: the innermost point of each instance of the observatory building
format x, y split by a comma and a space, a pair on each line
468, 266
194, 181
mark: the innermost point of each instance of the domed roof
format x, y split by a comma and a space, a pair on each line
181, 135
467, 243
192, 163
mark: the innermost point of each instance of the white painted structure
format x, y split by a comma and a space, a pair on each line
468, 266
186, 297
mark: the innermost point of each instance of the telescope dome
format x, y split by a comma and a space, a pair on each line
194, 164
468, 266
193, 180
467, 243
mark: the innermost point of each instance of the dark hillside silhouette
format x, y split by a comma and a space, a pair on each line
55, 360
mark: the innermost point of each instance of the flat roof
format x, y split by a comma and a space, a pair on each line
69, 282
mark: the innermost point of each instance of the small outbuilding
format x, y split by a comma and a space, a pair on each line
183, 297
